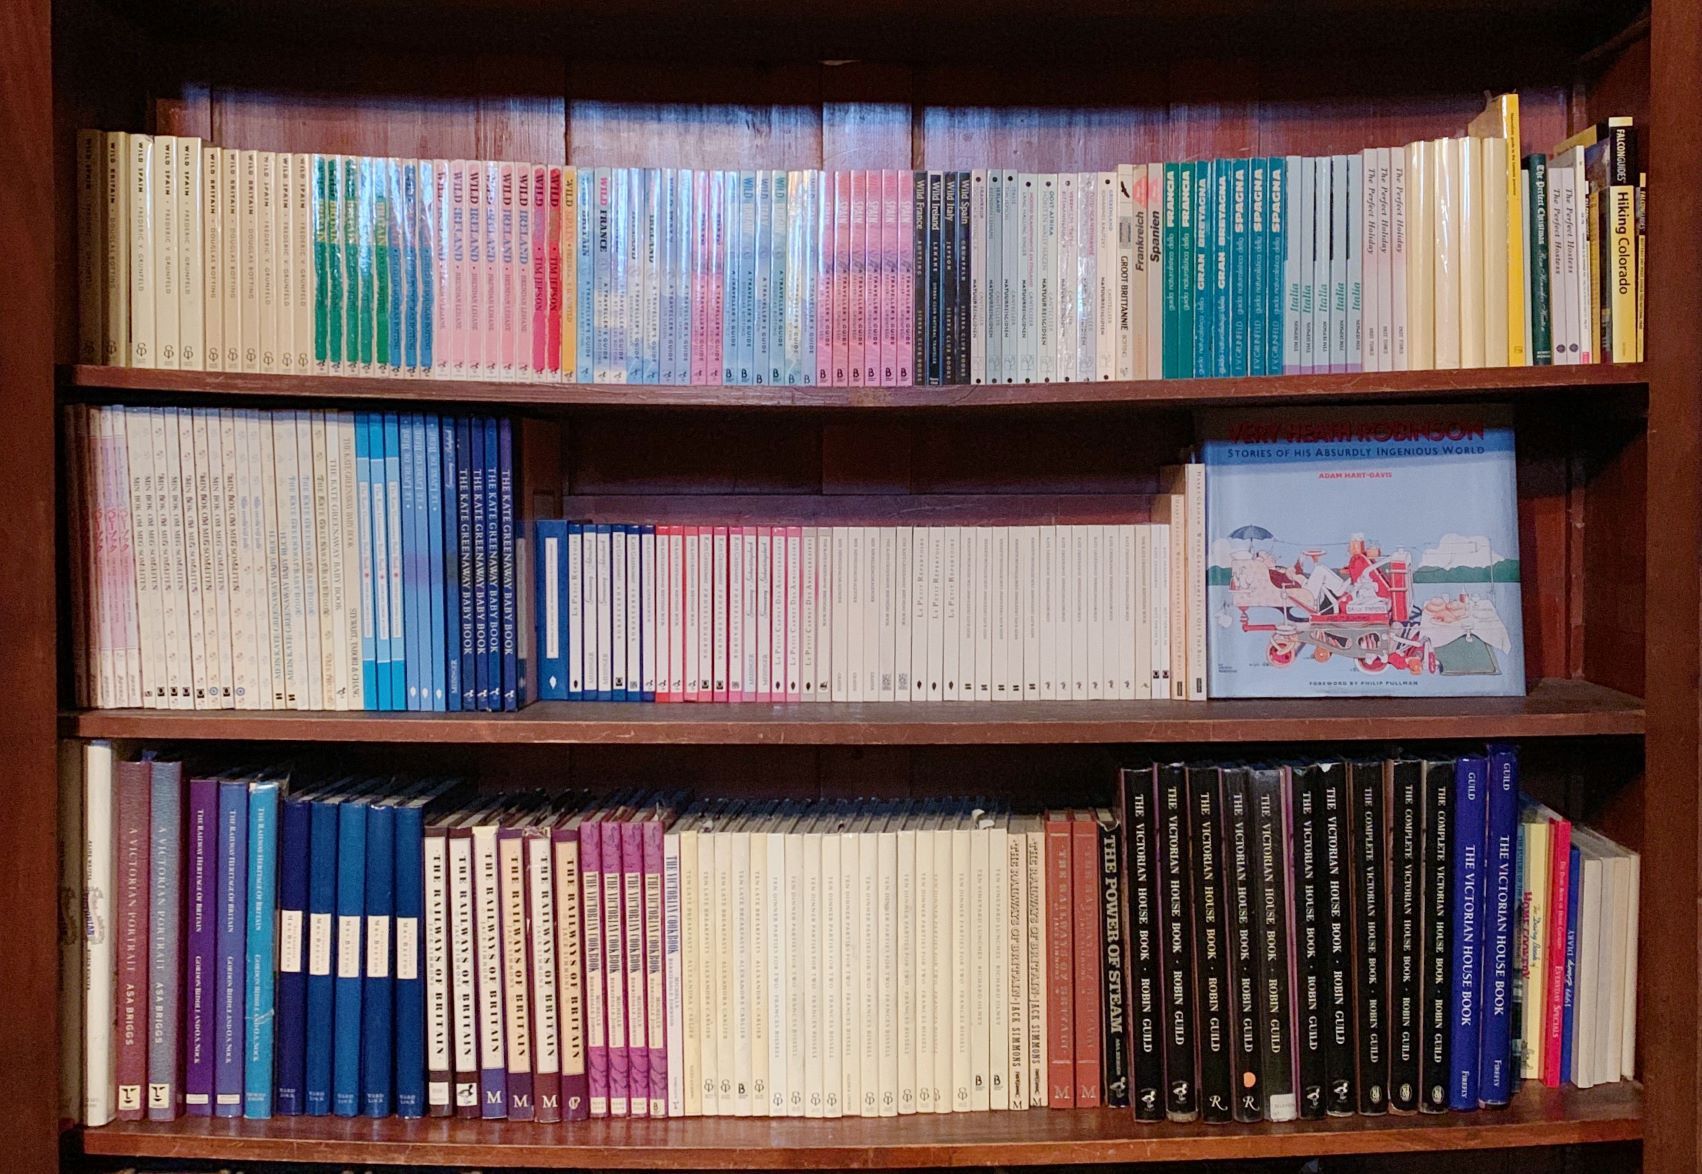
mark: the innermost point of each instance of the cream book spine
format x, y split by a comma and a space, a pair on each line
237, 247
238, 575
1563, 264
1129, 202
906, 917
434, 855
927, 926
688, 1060
947, 1005
814, 967
487, 945
1628, 924
220, 489
1034, 854
1094, 616
1028, 578
918, 622
254, 329
797, 953
738, 964
287, 503
116, 253
173, 559
982, 587
463, 969
1159, 572
963, 933
851, 957
197, 556
543, 964
771, 927
758, 917
1421, 255
1400, 358
143, 210
270, 595
1193, 584
1468, 158
947, 607
980, 972
1500, 124
310, 668
710, 1001
301, 227
1368, 224
73, 932
1538, 848
167, 252
91, 246
100, 1072
1014, 844
1140, 588
212, 259
135, 425
886, 1027
824, 612
570, 987
732, 1026
1449, 199
1498, 339
270, 260
285, 270
998, 964
191, 250
834, 1010
516, 1056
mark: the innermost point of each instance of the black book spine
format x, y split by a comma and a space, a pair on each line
1243, 954
1435, 880
1211, 945
948, 278
1114, 1023
1271, 924
1370, 919
1308, 944
936, 274
922, 272
1406, 905
1181, 1088
1335, 830
1146, 1015
960, 337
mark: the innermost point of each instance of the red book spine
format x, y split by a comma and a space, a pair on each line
1060, 965
1089, 982
130, 828
1560, 863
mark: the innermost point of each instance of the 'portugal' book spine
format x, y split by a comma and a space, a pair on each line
1467, 902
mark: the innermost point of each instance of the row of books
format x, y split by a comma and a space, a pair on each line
1445, 253
875, 613
254, 559
1224, 941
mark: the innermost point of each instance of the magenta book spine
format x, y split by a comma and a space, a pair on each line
591, 890
655, 1006
614, 965
632, 931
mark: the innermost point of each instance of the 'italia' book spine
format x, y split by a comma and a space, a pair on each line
1405, 805
1467, 903
1365, 803
1142, 929
1495, 1080
1340, 1097
1181, 1096
1240, 835
1308, 979
1435, 883
1211, 958
1271, 918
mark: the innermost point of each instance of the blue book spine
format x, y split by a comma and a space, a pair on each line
618, 601
493, 566
1254, 304
410, 971
1467, 898
395, 564
508, 550
377, 989
434, 562
1574, 890
321, 956
232, 946
378, 512
409, 307
574, 612
481, 598
351, 911
419, 567
585, 288
1276, 260
466, 558
363, 498
294, 861
450, 572
411, 625
1239, 234
550, 591
1495, 1069
260, 1010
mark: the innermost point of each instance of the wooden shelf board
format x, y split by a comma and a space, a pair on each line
1537, 1117
1482, 383
1555, 708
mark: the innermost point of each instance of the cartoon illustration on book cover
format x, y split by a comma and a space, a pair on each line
1362, 551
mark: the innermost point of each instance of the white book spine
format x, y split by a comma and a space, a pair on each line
176, 579
197, 555
902, 582
885, 599
712, 1005
758, 917
328, 478
791, 592
220, 493
926, 1021
887, 1026
1095, 617
1015, 945
576, 594
342, 440
940, 633
268, 588
798, 989
136, 425
632, 636
850, 974
824, 612
100, 1057
917, 625
945, 998
835, 1011
808, 602
736, 591
117, 255
902, 1023
463, 969
673, 971
1034, 853
771, 926
998, 966
650, 1044
311, 670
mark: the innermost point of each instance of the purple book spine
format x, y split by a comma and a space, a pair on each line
655, 1008
614, 967
570, 922
232, 944
632, 925
591, 938
202, 910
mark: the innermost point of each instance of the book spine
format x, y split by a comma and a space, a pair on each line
260, 1002
1368, 881
1211, 944
231, 943
1335, 837
131, 827
1242, 887
1307, 920
1495, 1079
1176, 959
570, 974
411, 976
439, 991
201, 912
1405, 947
351, 885
1060, 1052
165, 941
1085, 901
1467, 904
516, 980
1562, 916
1113, 969
99, 936
1436, 885
489, 972
1144, 932
1272, 920
293, 863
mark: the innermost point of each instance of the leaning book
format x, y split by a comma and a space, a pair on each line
1366, 551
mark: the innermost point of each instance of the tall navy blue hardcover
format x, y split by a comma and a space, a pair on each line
481, 569
493, 565
602, 615
363, 506
466, 557
411, 626
376, 997
549, 589
1574, 913
434, 563
351, 910
1495, 1066
451, 573
507, 548
294, 839
1470, 828
397, 554
321, 952
409, 1036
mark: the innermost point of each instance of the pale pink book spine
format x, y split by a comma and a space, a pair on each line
655, 943
720, 183
748, 670
516, 290
553, 308
795, 586
764, 610
474, 333
546, 207
697, 201
693, 553
111, 573
735, 613
874, 248
495, 301
842, 278
856, 357
124, 562
777, 588
455, 338
442, 313
632, 926
823, 263
677, 610
906, 279
889, 279
721, 596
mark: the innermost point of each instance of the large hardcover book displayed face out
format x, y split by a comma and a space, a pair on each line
1362, 551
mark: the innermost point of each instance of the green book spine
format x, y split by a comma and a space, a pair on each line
335, 260
1185, 190
1276, 263
381, 263
321, 276
348, 214
1536, 268
1204, 245
1172, 310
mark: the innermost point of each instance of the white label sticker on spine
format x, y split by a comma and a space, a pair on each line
348, 947
378, 947
319, 943
289, 941
407, 948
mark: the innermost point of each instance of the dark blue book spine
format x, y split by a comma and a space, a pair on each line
1276, 261
232, 946
351, 909
508, 549
410, 549
410, 973
481, 596
1495, 1067
451, 570
1574, 887
465, 554
1467, 945
434, 563
321, 957
294, 862
493, 566
377, 986
549, 589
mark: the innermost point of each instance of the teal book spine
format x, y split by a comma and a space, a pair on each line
1222, 250
260, 1005
1276, 264
1185, 190
1239, 234
1171, 318
1256, 302
1203, 244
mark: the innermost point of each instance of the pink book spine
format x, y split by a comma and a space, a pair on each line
455, 304
842, 278
696, 194
101, 496
856, 356
591, 938
751, 619
889, 273
131, 832
494, 298
764, 609
660, 599
723, 618
705, 587
874, 261
736, 684
632, 926
794, 611
517, 269
689, 635
614, 963
546, 211
655, 945
906, 278
124, 561
719, 182
777, 593
677, 612
823, 263
556, 227
1560, 863
473, 334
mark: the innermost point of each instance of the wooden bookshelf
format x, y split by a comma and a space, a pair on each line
1554, 709
1610, 497
1600, 381
1537, 1117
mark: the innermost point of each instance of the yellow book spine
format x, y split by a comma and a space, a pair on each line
1622, 272
1517, 356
